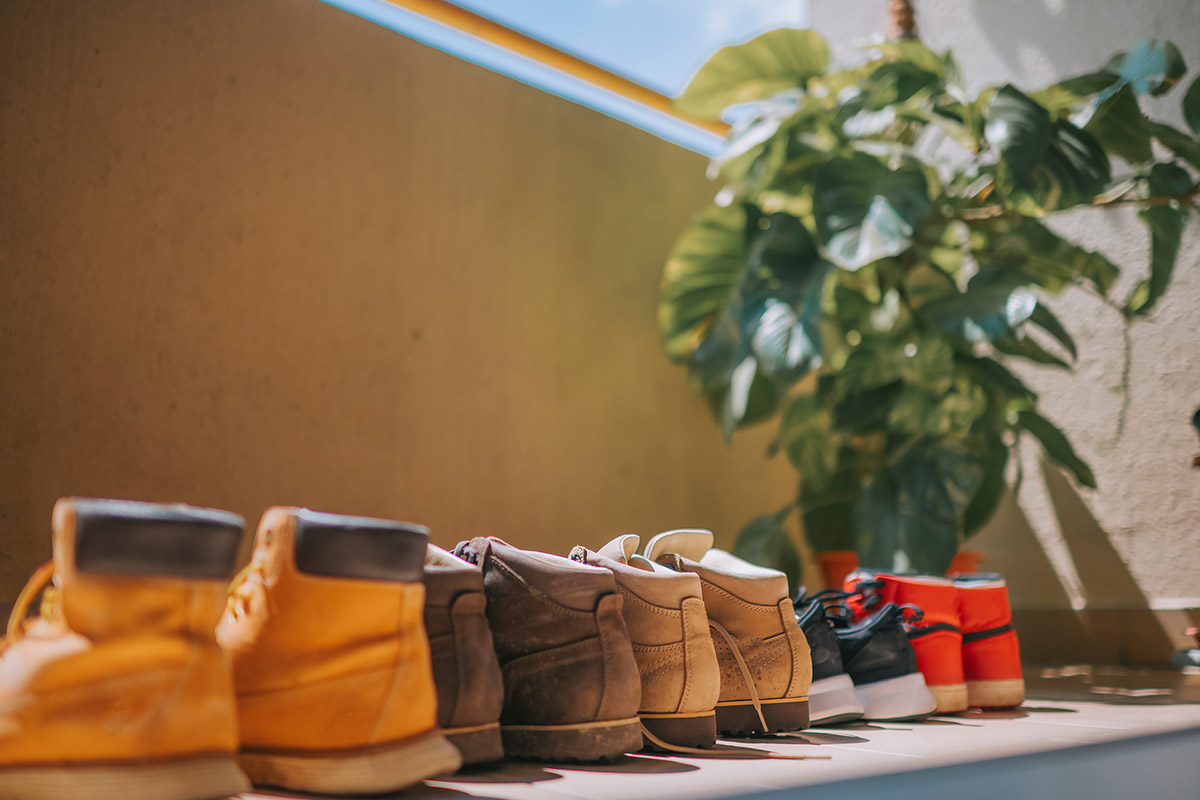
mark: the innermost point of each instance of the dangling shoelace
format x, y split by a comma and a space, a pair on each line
722, 752
42, 581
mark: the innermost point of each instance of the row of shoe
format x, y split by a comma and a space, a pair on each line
351, 656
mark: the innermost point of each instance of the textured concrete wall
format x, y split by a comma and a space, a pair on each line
260, 253
1136, 540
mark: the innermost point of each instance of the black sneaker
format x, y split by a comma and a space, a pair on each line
831, 699
880, 660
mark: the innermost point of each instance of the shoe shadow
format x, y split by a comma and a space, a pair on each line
807, 737
948, 721
1047, 710
642, 764
996, 713
501, 772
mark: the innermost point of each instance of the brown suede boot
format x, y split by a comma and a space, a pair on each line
667, 623
766, 667
331, 664
118, 691
469, 687
571, 686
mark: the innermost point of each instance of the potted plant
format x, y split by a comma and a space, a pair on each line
877, 256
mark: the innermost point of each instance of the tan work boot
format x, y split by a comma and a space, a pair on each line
765, 663
469, 687
330, 661
571, 685
118, 691
667, 623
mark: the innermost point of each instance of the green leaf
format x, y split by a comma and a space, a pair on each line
1166, 230
1177, 141
1031, 350
1074, 92
828, 512
1191, 107
1046, 163
1056, 445
1153, 66
994, 377
1049, 259
910, 515
1044, 318
1169, 180
865, 211
994, 306
991, 486
1120, 127
700, 275
768, 64
806, 435
765, 541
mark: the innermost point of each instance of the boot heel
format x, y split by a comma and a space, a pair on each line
366, 770
205, 778
739, 718
478, 744
587, 741
996, 694
684, 730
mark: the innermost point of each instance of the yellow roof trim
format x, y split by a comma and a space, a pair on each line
487, 30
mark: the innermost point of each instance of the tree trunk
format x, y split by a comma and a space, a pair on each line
902, 22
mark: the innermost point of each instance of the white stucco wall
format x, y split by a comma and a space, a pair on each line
1148, 503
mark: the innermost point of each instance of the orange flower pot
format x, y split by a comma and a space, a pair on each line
836, 565
965, 561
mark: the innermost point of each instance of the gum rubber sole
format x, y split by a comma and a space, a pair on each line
682, 730
478, 744
905, 697
199, 778
367, 770
951, 697
996, 694
832, 701
584, 741
738, 718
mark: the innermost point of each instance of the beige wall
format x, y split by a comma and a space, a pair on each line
1135, 542
258, 253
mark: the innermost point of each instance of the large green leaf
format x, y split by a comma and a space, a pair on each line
1120, 127
996, 303
1056, 445
1153, 66
866, 211
806, 435
701, 273
1191, 107
1046, 163
1049, 259
828, 512
765, 541
768, 64
910, 515
1024, 347
1074, 92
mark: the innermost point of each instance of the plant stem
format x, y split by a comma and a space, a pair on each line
902, 20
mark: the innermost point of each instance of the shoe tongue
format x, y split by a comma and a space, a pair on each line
690, 543
622, 548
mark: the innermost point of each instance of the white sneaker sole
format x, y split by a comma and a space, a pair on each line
906, 697
833, 700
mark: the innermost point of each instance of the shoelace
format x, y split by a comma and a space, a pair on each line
42, 581
725, 751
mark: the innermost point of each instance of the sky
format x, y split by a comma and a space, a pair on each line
657, 43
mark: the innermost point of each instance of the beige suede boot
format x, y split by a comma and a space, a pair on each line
665, 615
766, 667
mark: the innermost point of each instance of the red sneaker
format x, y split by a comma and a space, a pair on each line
937, 638
991, 655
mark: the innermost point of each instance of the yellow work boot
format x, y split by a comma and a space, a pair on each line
118, 691
331, 663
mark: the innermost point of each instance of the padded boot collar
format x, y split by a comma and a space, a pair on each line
691, 543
